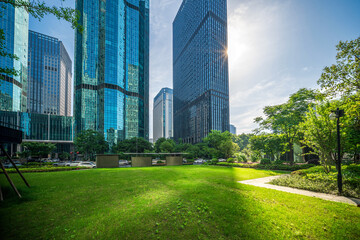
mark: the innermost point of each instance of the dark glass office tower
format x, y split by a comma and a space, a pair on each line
15, 24
112, 68
49, 76
200, 65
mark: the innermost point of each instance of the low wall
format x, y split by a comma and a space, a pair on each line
141, 161
174, 161
107, 161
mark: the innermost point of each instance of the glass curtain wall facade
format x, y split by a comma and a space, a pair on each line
112, 68
49, 76
163, 115
39, 127
13, 89
232, 129
200, 69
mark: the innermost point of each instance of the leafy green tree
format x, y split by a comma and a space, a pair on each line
270, 144
182, 147
285, 118
168, 146
64, 156
320, 134
133, 145
89, 143
343, 78
158, 143
242, 140
37, 150
221, 143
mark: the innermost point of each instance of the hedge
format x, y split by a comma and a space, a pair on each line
44, 169
268, 166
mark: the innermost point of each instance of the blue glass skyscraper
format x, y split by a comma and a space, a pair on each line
15, 25
112, 68
200, 69
49, 76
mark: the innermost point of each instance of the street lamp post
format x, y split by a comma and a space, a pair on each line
338, 114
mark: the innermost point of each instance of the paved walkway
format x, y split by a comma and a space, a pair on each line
264, 182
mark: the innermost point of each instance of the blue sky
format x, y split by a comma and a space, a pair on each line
275, 47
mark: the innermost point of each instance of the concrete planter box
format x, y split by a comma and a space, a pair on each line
141, 161
107, 161
174, 161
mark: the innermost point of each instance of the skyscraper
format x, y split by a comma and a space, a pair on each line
163, 114
232, 129
112, 68
200, 69
49, 76
15, 25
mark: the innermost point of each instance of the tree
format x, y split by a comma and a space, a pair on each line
37, 150
320, 134
270, 144
221, 143
64, 156
343, 78
168, 146
38, 9
133, 145
89, 143
242, 140
285, 118
158, 143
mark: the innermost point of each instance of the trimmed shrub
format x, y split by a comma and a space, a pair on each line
267, 166
265, 161
241, 157
213, 161
230, 160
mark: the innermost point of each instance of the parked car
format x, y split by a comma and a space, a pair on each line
9, 164
87, 164
222, 160
59, 164
123, 162
72, 164
199, 161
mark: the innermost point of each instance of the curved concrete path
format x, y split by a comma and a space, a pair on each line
264, 182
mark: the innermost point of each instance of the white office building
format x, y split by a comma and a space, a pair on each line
163, 114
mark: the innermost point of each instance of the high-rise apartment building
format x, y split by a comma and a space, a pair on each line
200, 69
112, 68
49, 76
15, 25
163, 115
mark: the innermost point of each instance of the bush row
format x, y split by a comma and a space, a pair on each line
268, 166
44, 169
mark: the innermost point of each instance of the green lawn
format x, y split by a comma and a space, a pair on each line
187, 202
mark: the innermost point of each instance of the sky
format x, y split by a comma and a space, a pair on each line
275, 47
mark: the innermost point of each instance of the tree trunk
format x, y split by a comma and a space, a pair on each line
356, 158
291, 153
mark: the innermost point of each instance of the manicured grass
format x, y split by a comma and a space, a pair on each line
186, 202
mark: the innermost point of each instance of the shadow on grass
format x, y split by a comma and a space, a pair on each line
147, 203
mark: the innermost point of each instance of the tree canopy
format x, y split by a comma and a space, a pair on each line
89, 143
343, 78
37, 150
133, 145
285, 118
